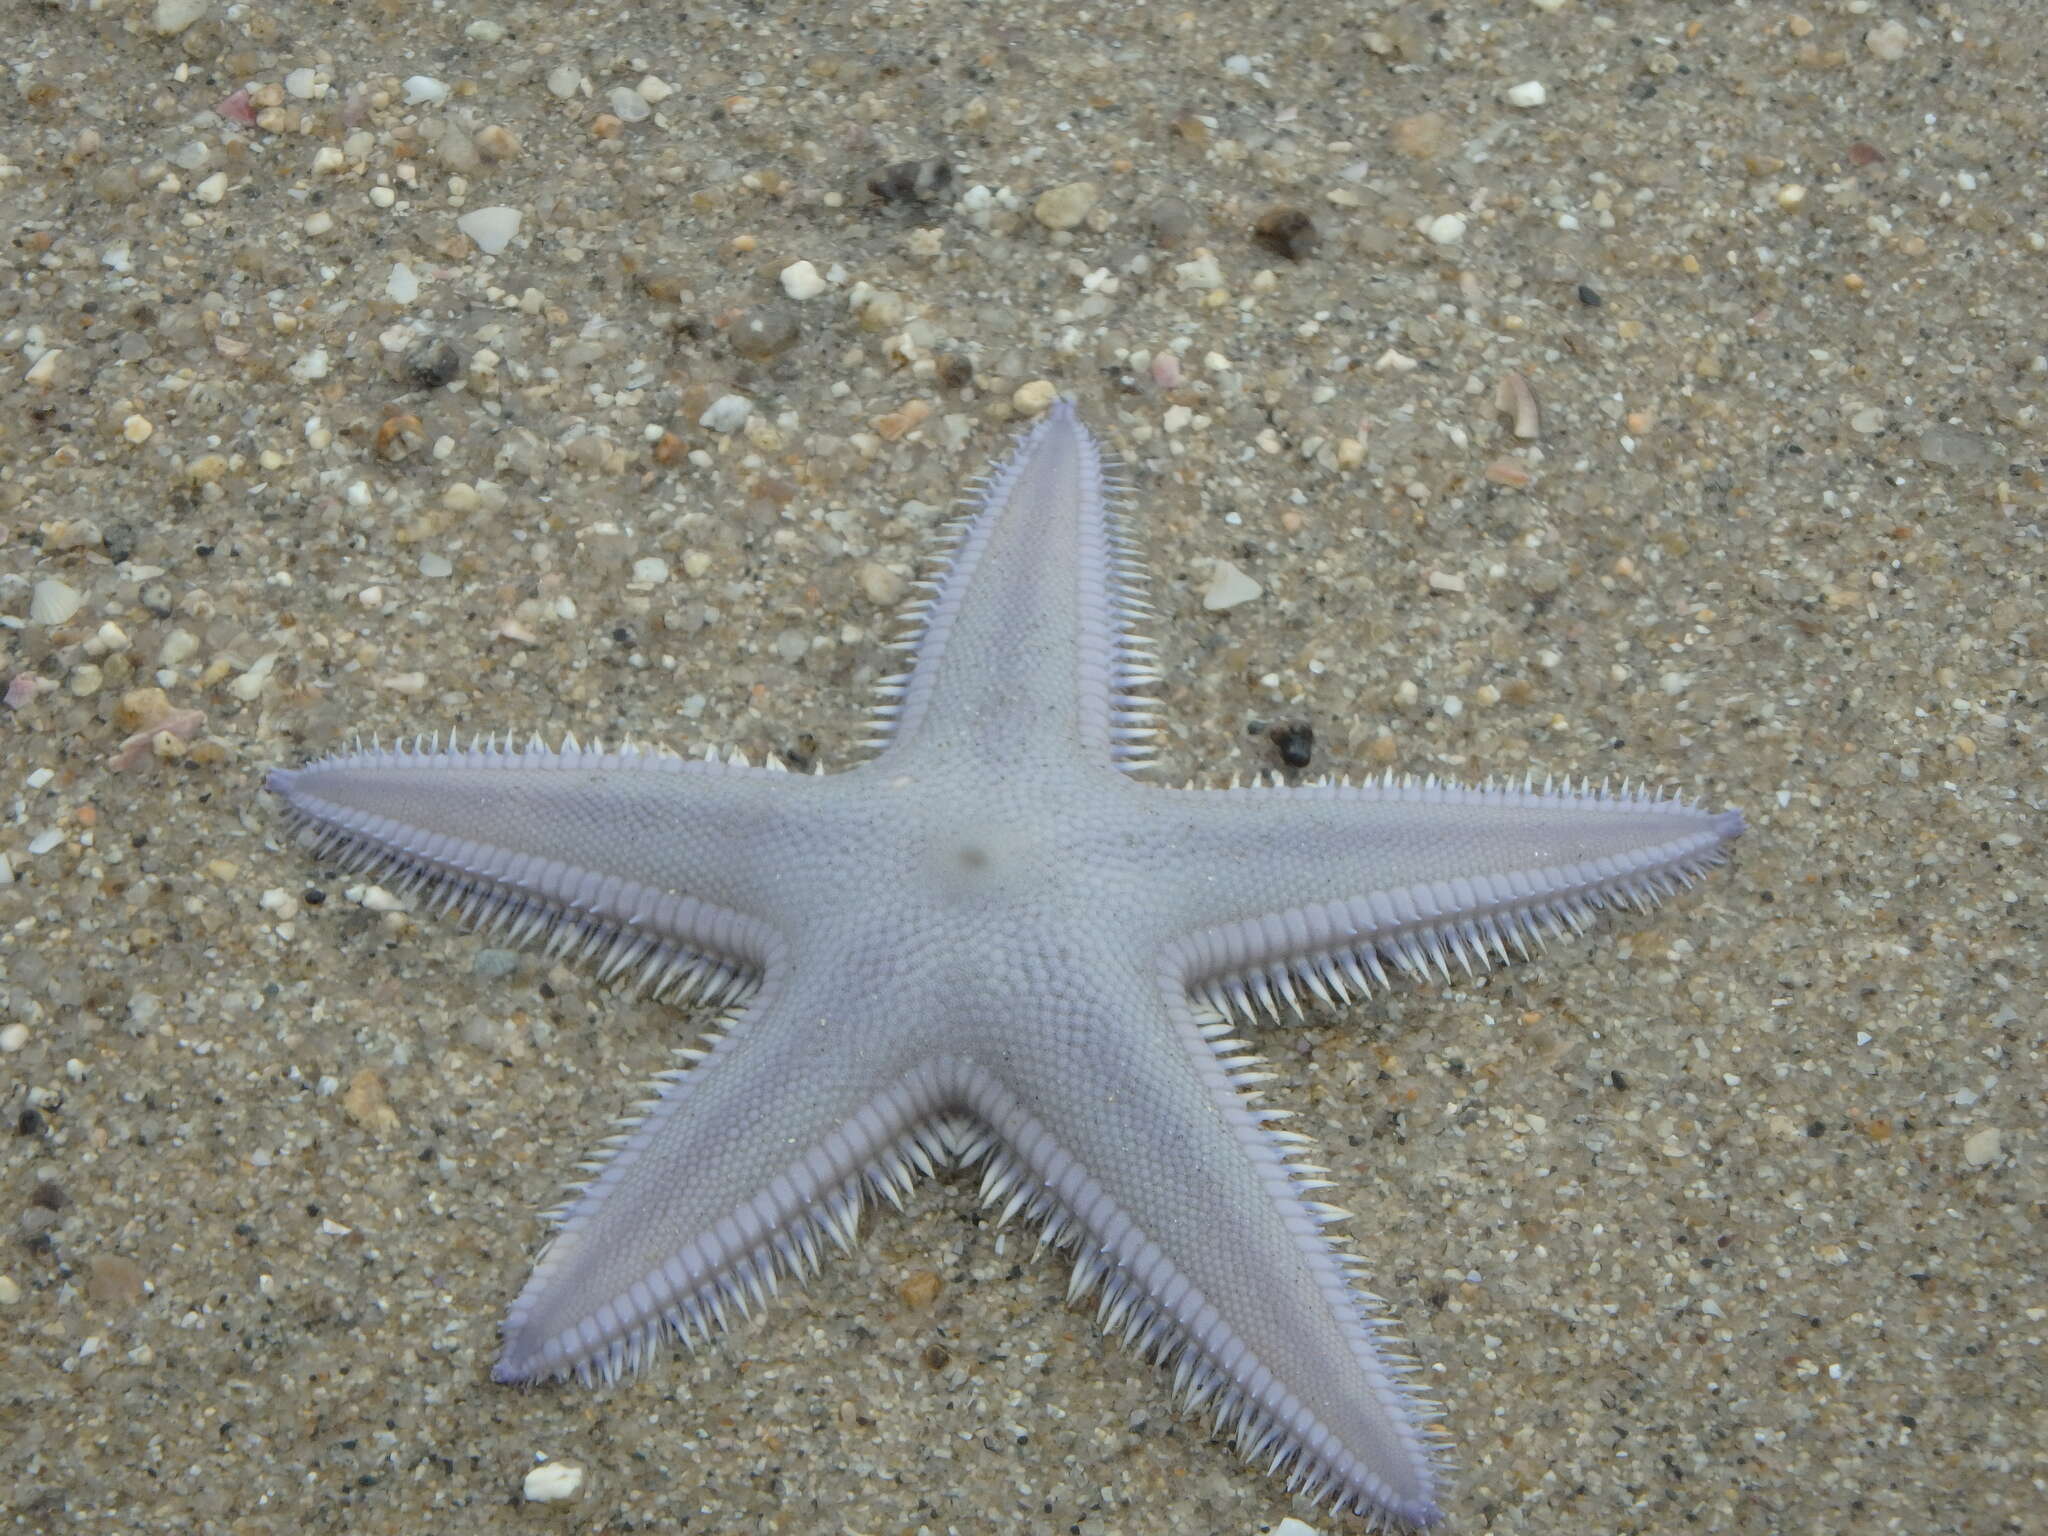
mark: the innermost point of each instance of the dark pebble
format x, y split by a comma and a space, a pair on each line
1287, 232
762, 333
433, 361
912, 181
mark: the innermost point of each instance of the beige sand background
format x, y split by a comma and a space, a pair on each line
1727, 1219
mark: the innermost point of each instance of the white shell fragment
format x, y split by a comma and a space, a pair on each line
491, 228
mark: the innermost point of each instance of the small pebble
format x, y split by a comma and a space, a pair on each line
10, 1291
431, 362
1888, 40
728, 413
434, 567
762, 333
1030, 399
1530, 93
564, 81
650, 570
1287, 232
553, 1481
173, 16
402, 286
425, 90
884, 588
1065, 207
628, 105
800, 280
1445, 229
13, 1037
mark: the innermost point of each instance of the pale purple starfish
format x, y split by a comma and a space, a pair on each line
991, 942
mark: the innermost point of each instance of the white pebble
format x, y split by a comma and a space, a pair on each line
800, 280
425, 90
1888, 40
13, 1038
434, 567
213, 189
250, 684
303, 83
402, 286
629, 106
311, 366
174, 16
655, 89
650, 570
1228, 587
553, 1481
1446, 581
728, 413
1445, 228
491, 228
1530, 93
53, 601
565, 80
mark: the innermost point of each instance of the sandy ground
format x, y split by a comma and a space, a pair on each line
1724, 1219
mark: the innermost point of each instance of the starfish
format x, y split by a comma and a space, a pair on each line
992, 943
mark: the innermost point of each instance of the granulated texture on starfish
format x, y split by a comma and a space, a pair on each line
992, 943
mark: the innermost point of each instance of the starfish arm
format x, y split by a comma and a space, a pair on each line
1203, 1243
1027, 646
736, 1174
1324, 886
650, 861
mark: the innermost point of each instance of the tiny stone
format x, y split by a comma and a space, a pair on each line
10, 1291
728, 413
434, 567
1171, 220
1287, 232
491, 228
403, 285
1956, 448
1982, 1147
650, 570
1446, 581
1030, 399
629, 105
1065, 207
762, 333
1869, 421
137, 429
564, 81
494, 963
1888, 40
213, 189
425, 90
920, 1288
303, 83
884, 588
552, 1481
13, 1037
800, 280
173, 16
431, 362
1445, 229
1530, 93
